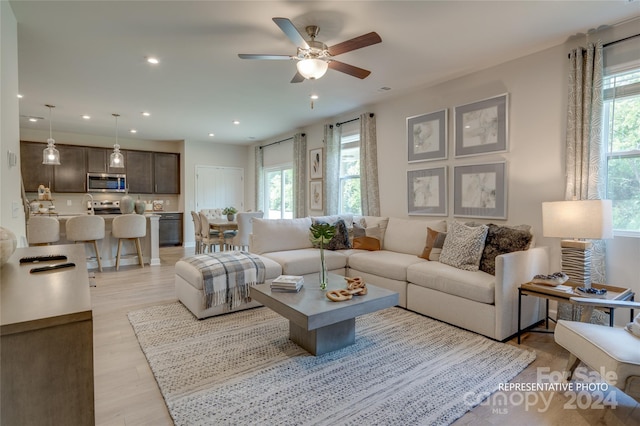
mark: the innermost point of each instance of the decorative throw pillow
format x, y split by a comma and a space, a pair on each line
340, 240
501, 240
433, 246
463, 246
358, 230
366, 243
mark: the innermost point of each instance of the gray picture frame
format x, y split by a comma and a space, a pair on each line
427, 137
480, 190
427, 192
315, 195
482, 127
316, 163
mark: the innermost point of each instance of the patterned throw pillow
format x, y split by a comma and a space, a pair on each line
340, 240
501, 240
463, 246
433, 246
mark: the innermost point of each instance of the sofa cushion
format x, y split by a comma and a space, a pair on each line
407, 236
463, 246
384, 263
501, 240
433, 245
307, 261
473, 285
280, 234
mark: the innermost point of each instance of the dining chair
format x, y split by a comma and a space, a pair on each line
86, 229
129, 227
196, 228
245, 227
614, 350
43, 230
210, 239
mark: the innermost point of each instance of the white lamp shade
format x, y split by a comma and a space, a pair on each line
312, 68
590, 219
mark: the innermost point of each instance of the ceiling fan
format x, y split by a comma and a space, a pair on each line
314, 57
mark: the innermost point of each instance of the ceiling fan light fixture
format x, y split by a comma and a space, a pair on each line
312, 68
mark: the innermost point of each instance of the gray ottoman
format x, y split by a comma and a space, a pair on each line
189, 288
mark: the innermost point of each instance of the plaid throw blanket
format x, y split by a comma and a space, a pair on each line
227, 276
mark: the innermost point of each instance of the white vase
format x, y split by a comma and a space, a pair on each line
127, 204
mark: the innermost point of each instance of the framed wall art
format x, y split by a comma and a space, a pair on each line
427, 192
480, 190
482, 127
315, 195
427, 136
315, 163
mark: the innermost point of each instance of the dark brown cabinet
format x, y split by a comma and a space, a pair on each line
170, 229
139, 169
34, 173
166, 173
96, 160
71, 174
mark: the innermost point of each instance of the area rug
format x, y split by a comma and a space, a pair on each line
242, 369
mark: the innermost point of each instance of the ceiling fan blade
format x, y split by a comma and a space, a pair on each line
355, 43
298, 78
292, 32
349, 69
275, 57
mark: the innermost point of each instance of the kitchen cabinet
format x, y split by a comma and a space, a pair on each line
170, 229
98, 161
71, 174
166, 173
34, 173
139, 169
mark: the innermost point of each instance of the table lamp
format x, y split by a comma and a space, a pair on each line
579, 220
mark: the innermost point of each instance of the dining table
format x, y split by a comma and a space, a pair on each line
222, 225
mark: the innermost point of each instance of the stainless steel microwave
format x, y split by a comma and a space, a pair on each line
106, 182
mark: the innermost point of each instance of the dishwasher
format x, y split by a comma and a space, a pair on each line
170, 229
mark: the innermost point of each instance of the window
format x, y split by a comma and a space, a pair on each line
350, 172
621, 140
279, 192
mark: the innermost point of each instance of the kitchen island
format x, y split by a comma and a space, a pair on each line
109, 245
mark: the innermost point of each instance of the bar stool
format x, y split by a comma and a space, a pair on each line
42, 230
129, 227
86, 229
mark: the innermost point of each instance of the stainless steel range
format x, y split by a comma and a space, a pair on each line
105, 207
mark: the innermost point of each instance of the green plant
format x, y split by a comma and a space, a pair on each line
229, 210
321, 233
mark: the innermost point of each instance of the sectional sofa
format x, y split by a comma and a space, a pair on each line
474, 300
486, 303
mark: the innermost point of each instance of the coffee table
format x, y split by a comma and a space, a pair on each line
315, 322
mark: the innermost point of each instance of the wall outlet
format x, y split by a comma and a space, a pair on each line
69, 203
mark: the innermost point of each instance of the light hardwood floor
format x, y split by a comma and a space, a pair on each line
126, 392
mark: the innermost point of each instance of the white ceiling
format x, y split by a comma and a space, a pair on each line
88, 57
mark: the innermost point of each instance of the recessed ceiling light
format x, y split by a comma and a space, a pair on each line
133, 131
146, 114
211, 135
33, 119
314, 97
236, 122
86, 117
19, 96
153, 60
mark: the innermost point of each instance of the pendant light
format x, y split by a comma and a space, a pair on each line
50, 155
117, 159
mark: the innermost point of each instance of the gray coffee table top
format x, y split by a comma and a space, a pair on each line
310, 309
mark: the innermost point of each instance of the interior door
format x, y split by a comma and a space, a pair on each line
219, 187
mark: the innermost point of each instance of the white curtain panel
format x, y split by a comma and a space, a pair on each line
259, 179
332, 136
299, 175
369, 192
584, 150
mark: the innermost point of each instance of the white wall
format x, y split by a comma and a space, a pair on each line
11, 211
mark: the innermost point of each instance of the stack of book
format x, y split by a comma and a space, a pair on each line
287, 283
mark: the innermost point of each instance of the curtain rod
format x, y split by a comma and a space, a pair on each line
613, 42
283, 140
354, 119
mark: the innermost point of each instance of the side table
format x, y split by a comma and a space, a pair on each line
551, 293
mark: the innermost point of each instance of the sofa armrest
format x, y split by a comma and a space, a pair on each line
513, 270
